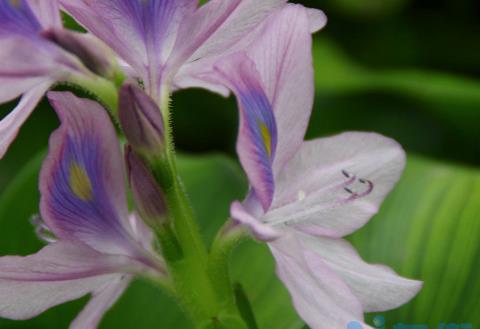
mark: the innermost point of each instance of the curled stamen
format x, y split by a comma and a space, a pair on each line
347, 186
351, 179
42, 230
326, 199
369, 187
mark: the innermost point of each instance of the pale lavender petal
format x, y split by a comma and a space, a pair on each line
141, 232
141, 32
64, 260
257, 139
282, 53
334, 185
16, 17
102, 300
10, 125
60, 272
377, 287
92, 53
319, 295
12, 88
47, 13
192, 75
261, 231
25, 58
82, 179
280, 49
25, 63
317, 19
232, 28
220, 24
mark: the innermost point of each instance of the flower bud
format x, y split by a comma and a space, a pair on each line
91, 52
141, 119
147, 194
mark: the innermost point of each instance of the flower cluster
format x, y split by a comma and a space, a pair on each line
304, 196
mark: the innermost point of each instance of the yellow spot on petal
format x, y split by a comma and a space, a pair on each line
80, 182
267, 138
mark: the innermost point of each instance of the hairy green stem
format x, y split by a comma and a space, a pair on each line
194, 287
218, 264
104, 90
201, 280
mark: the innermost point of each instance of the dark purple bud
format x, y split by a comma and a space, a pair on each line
141, 119
147, 194
90, 51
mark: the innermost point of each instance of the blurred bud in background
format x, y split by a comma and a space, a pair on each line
141, 120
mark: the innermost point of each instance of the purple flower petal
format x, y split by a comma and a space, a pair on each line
141, 32
158, 37
219, 25
282, 53
47, 13
320, 296
317, 19
216, 26
29, 66
257, 139
280, 68
249, 23
82, 179
58, 273
16, 17
25, 62
261, 231
334, 185
10, 125
102, 300
378, 287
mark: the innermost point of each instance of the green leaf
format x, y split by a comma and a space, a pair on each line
224, 323
448, 96
428, 229
245, 307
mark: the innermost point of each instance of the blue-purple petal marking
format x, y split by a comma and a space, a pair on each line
82, 180
141, 32
257, 138
16, 17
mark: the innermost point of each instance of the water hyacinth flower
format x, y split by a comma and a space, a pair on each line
306, 196
35, 53
168, 42
95, 246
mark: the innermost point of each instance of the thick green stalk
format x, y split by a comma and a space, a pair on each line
185, 225
194, 287
201, 280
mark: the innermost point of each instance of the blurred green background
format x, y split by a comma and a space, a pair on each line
409, 69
